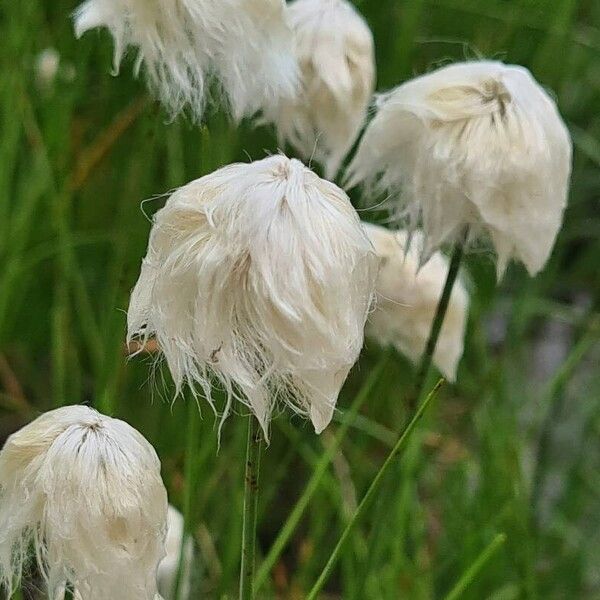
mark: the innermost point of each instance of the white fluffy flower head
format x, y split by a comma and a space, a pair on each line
479, 144
259, 275
407, 299
86, 491
335, 50
182, 44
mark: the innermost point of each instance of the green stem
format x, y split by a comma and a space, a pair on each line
438, 321
469, 575
364, 503
319, 472
253, 448
191, 456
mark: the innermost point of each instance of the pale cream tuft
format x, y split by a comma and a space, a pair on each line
85, 491
182, 45
335, 50
479, 144
259, 275
169, 566
408, 296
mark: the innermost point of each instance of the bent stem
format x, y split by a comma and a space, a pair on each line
364, 503
438, 321
253, 448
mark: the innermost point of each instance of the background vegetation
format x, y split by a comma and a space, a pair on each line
512, 448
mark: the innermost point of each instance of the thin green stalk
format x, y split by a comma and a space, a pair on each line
251, 487
191, 462
319, 472
364, 503
471, 573
438, 321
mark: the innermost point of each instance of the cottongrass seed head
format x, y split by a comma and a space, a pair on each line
85, 491
407, 299
335, 51
169, 566
246, 45
259, 275
476, 143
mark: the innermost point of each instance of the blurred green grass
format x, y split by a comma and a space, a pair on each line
512, 448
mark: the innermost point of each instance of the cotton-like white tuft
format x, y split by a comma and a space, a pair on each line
335, 51
408, 296
259, 275
47, 65
169, 566
182, 45
479, 144
85, 491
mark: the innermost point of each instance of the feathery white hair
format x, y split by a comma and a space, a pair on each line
169, 566
245, 45
261, 275
408, 296
479, 144
335, 51
85, 491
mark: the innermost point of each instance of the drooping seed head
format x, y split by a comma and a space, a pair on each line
85, 491
258, 275
407, 299
335, 50
479, 144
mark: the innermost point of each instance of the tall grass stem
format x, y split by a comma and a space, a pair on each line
471, 573
364, 503
251, 488
190, 474
319, 471
438, 321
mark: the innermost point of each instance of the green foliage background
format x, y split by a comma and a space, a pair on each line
512, 448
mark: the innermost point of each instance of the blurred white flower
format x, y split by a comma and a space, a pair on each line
335, 50
245, 45
479, 144
169, 566
85, 490
260, 275
46, 68
407, 299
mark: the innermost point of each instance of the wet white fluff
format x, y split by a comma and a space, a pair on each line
246, 45
408, 296
335, 51
260, 275
85, 491
477, 143
169, 566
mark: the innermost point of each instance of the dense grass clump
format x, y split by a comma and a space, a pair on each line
496, 493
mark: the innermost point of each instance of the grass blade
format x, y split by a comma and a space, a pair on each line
402, 440
471, 573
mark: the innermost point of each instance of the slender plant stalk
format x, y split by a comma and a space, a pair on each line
364, 503
250, 508
438, 321
471, 573
191, 461
319, 471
